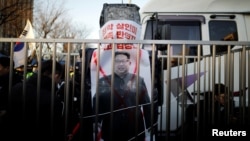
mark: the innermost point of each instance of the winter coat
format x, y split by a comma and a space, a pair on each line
33, 117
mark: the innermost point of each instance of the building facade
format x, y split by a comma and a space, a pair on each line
13, 17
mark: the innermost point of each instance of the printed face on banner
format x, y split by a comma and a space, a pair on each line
124, 30
121, 64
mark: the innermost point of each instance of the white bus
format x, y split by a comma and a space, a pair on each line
183, 24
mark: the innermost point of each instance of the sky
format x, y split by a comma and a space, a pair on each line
88, 12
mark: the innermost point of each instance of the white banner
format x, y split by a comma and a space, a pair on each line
123, 30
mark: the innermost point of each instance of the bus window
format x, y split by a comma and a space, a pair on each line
174, 30
222, 31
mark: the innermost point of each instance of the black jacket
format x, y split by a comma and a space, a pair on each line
4, 94
4, 88
32, 117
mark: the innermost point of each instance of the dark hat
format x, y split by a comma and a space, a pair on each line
48, 65
5, 61
219, 89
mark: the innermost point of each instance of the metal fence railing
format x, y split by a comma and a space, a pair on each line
181, 88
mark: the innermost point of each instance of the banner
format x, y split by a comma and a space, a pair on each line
123, 30
19, 49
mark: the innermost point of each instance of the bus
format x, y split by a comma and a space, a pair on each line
191, 68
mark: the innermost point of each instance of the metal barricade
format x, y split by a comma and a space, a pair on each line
178, 89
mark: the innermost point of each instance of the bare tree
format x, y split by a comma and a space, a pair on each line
51, 20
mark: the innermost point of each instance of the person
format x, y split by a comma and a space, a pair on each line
212, 113
37, 117
5, 71
124, 119
221, 105
76, 117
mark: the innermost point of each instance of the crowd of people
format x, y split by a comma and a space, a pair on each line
36, 108
32, 112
